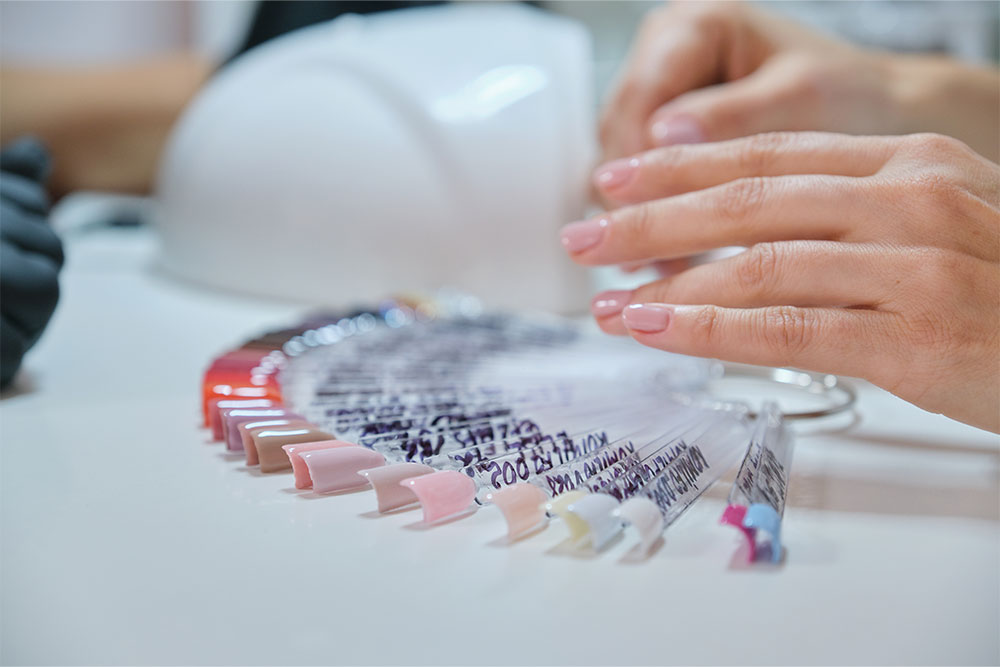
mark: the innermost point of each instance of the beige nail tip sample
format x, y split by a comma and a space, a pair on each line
389, 493
521, 506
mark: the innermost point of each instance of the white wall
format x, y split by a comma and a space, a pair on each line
87, 32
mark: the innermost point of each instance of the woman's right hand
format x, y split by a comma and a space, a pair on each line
709, 71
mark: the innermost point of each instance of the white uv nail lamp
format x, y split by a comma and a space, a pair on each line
397, 152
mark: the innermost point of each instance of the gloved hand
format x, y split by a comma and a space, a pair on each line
30, 253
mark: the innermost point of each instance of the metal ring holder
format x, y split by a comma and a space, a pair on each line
841, 394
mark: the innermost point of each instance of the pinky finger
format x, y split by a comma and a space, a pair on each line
828, 340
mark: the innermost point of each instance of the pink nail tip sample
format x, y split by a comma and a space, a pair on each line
217, 407
389, 493
645, 517
334, 470
442, 494
299, 468
733, 516
521, 505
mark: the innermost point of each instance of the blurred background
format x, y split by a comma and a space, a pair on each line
52, 33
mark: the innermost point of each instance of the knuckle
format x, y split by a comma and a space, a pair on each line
804, 73
937, 275
787, 329
934, 147
757, 268
741, 198
929, 331
705, 325
939, 192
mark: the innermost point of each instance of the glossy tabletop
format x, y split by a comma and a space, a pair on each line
128, 538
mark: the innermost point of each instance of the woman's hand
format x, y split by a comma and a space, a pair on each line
876, 257
708, 71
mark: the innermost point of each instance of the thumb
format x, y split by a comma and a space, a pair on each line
769, 100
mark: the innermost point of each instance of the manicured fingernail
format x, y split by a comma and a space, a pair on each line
616, 173
647, 317
677, 130
609, 303
578, 236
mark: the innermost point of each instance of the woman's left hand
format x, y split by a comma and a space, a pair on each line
875, 257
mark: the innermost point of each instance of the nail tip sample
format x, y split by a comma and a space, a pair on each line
762, 518
294, 453
596, 510
645, 516
733, 516
336, 470
390, 493
521, 505
443, 494
559, 506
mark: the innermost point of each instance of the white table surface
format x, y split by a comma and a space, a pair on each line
128, 539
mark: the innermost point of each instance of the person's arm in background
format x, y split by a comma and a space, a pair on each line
104, 126
712, 71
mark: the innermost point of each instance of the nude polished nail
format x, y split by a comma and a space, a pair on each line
608, 303
578, 236
616, 173
677, 130
647, 317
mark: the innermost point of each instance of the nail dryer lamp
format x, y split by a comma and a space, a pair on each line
403, 151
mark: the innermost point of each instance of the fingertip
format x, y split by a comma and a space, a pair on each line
606, 308
612, 325
578, 237
616, 175
610, 303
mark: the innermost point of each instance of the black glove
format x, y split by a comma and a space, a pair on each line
30, 253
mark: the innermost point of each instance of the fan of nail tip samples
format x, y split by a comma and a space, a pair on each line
448, 410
